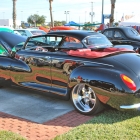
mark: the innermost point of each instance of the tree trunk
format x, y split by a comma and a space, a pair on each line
52, 24
112, 12
14, 14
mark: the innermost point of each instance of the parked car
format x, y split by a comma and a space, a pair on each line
82, 66
9, 40
123, 36
7, 29
30, 32
59, 28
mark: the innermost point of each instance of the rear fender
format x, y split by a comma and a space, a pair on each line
106, 82
98, 76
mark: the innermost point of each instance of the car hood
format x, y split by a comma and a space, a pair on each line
130, 60
11, 39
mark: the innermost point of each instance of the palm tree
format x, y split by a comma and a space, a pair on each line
112, 12
14, 13
50, 2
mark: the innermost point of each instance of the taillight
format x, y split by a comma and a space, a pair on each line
129, 83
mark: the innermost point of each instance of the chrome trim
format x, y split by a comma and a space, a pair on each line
85, 61
135, 106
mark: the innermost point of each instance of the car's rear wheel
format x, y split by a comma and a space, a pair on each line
85, 100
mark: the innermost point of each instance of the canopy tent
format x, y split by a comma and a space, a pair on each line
134, 21
72, 23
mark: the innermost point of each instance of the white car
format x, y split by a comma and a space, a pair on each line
30, 32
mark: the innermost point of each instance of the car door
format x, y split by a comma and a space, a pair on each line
116, 36
63, 65
119, 38
39, 77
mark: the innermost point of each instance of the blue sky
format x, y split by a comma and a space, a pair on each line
78, 9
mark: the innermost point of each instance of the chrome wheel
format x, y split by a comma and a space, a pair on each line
84, 98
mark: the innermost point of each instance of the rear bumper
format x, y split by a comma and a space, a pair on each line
134, 106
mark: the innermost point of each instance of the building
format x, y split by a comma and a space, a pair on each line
9, 23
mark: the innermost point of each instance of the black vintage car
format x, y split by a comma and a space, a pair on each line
123, 36
79, 65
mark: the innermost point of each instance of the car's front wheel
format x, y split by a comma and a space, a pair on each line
85, 100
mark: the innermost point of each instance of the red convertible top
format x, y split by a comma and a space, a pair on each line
87, 53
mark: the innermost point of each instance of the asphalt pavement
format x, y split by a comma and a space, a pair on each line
32, 105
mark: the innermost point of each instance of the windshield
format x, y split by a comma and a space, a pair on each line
43, 41
97, 41
37, 32
132, 32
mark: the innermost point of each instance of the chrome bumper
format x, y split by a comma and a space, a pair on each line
135, 106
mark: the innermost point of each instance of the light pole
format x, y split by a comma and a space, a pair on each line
66, 12
85, 15
69, 15
21, 16
116, 16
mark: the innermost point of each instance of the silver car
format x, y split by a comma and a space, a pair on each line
30, 32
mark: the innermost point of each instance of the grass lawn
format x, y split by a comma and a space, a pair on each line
108, 125
7, 135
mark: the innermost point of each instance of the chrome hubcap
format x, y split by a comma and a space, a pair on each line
83, 98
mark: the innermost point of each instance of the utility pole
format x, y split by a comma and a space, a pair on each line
91, 12
66, 12
102, 16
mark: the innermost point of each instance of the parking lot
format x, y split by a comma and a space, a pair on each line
32, 105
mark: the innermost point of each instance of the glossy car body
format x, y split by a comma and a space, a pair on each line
30, 32
123, 36
79, 65
10, 40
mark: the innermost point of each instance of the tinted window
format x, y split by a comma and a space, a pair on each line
108, 33
117, 34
